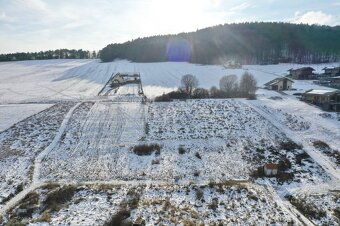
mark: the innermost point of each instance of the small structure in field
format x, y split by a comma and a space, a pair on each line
282, 83
304, 73
271, 169
139, 222
328, 100
335, 82
232, 64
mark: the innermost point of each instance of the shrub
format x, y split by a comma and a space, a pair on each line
146, 128
26, 207
289, 145
320, 144
300, 157
199, 194
44, 218
284, 164
188, 223
337, 212
163, 98
284, 177
15, 222
119, 219
58, 197
200, 93
198, 155
252, 96
147, 149
181, 150
214, 204
155, 162
308, 209
179, 94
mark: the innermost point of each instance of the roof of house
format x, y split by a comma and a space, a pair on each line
302, 68
276, 80
331, 68
271, 166
320, 92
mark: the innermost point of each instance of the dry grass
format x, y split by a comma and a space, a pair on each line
58, 197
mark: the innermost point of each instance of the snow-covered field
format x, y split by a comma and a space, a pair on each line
46, 80
20, 144
13, 113
177, 163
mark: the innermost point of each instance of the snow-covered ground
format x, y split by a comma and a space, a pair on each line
13, 113
225, 203
46, 80
20, 144
198, 148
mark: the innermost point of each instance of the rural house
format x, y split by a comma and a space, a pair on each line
331, 72
335, 82
328, 100
303, 73
271, 169
283, 83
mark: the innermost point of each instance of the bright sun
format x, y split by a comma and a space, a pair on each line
177, 15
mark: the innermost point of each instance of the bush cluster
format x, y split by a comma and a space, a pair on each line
146, 149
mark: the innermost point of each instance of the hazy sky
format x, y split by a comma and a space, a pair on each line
34, 25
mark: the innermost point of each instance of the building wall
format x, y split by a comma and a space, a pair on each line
302, 74
280, 85
270, 172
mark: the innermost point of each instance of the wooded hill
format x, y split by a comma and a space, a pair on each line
50, 54
248, 43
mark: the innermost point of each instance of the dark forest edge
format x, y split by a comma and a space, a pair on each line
247, 43
50, 54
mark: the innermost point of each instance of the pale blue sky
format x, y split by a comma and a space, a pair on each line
34, 25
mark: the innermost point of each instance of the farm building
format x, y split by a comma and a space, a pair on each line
283, 83
303, 73
331, 72
271, 169
328, 100
335, 81
232, 64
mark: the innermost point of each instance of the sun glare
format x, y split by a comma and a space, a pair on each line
176, 16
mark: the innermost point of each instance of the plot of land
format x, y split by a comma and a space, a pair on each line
93, 159
13, 113
20, 144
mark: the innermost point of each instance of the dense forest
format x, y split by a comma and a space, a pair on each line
248, 43
50, 54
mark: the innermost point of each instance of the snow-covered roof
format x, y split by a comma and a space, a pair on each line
271, 166
276, 80
301, 69
320, 91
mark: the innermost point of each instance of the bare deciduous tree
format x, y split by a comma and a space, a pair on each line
228, 84
248, 84
189, 82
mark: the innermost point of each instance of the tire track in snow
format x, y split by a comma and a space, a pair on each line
37, 164
314, 154
317, 157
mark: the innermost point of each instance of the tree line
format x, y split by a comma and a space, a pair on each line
248, 43
50, 54
229, 87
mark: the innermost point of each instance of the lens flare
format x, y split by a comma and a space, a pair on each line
179, 50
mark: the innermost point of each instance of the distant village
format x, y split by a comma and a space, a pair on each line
328, 100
